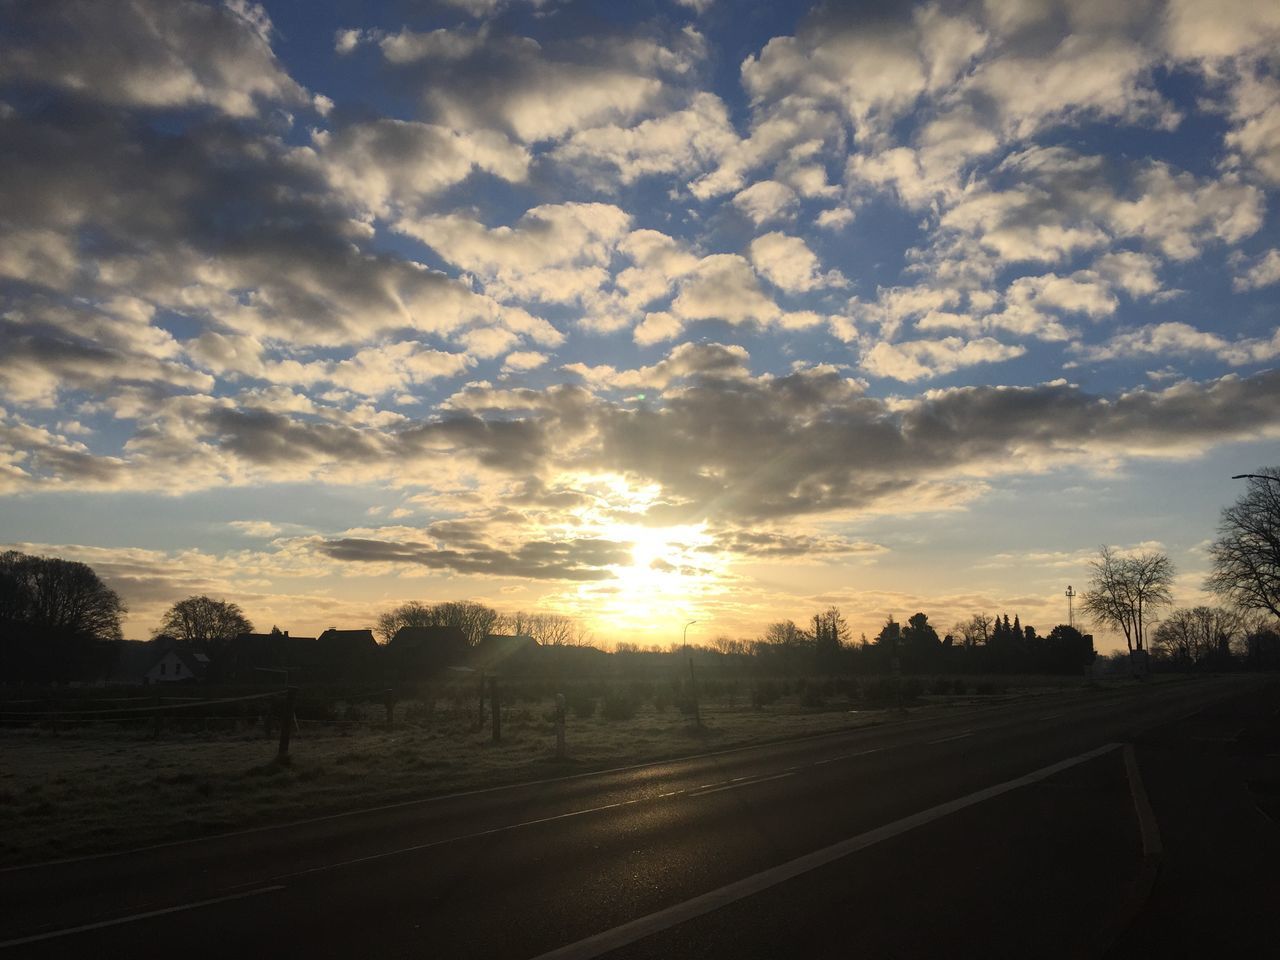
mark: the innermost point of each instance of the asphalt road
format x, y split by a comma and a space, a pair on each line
1015, 830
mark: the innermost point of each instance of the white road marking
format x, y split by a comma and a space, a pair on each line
602, 943
733, 785
1151, 845
958, 736
132, 918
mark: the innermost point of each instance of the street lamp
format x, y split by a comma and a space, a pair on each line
1254, 476
684, 636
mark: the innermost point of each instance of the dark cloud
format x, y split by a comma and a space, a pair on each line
147, 53
580, 559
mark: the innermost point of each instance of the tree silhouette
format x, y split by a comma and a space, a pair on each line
1246, 555
475, 620
52, 597
204, 621
1126, 590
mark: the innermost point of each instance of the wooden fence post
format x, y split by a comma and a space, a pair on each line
155, 724
480, 715
389, 701
559, 726
286, 724
496, 706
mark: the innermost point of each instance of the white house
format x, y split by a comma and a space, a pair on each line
174, 666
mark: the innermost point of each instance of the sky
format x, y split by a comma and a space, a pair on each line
640, 313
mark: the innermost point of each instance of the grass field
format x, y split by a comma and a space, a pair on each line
99, 788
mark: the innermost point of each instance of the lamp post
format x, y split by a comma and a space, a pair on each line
1255, 476
693, 680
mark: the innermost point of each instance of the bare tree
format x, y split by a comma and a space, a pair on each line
1127, 590
203, 620
1246, 555
475, 620
409, 614
57, 597
784, 633
1197, 635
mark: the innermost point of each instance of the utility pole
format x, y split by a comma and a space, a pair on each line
693, 681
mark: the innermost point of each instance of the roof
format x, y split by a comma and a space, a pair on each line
352, 637
413, 637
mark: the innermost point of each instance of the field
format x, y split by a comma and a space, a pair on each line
70, 791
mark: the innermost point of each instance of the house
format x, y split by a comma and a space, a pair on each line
259, 658
277, 657
504, 653
424, 653
177, 665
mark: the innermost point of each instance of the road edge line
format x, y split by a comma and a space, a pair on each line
637, 929
1147, 825
133, 918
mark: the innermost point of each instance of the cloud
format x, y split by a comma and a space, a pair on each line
789, 264
384, 163
686, 360
766, 200
1262, 272
524, 360
680, 142
921, 359
574, 559
150, 54
555, 253
1181, 339
472, 79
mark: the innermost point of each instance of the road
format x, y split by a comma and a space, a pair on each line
1025, 828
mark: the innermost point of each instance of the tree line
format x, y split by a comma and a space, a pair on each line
51, 609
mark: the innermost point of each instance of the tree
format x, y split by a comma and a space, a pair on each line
1197, 636
549, 629
830, 633
1126, 590
976, 630
204, 621
1067, 650
52, 597
408, 614
475, 620
784, 633
1246, 554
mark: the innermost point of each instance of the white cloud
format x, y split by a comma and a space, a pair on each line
788, 263
388, 162
680, 142
921, 359
1181, 339
1264, 271
524, 360
766, 200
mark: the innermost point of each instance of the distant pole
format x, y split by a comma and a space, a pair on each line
1071, 615
480, 715
494, 705
693, 680
559, 726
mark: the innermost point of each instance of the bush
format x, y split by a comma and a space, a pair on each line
940, 687
765, 693
661, 700
583, 707
618, 706
812, 697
